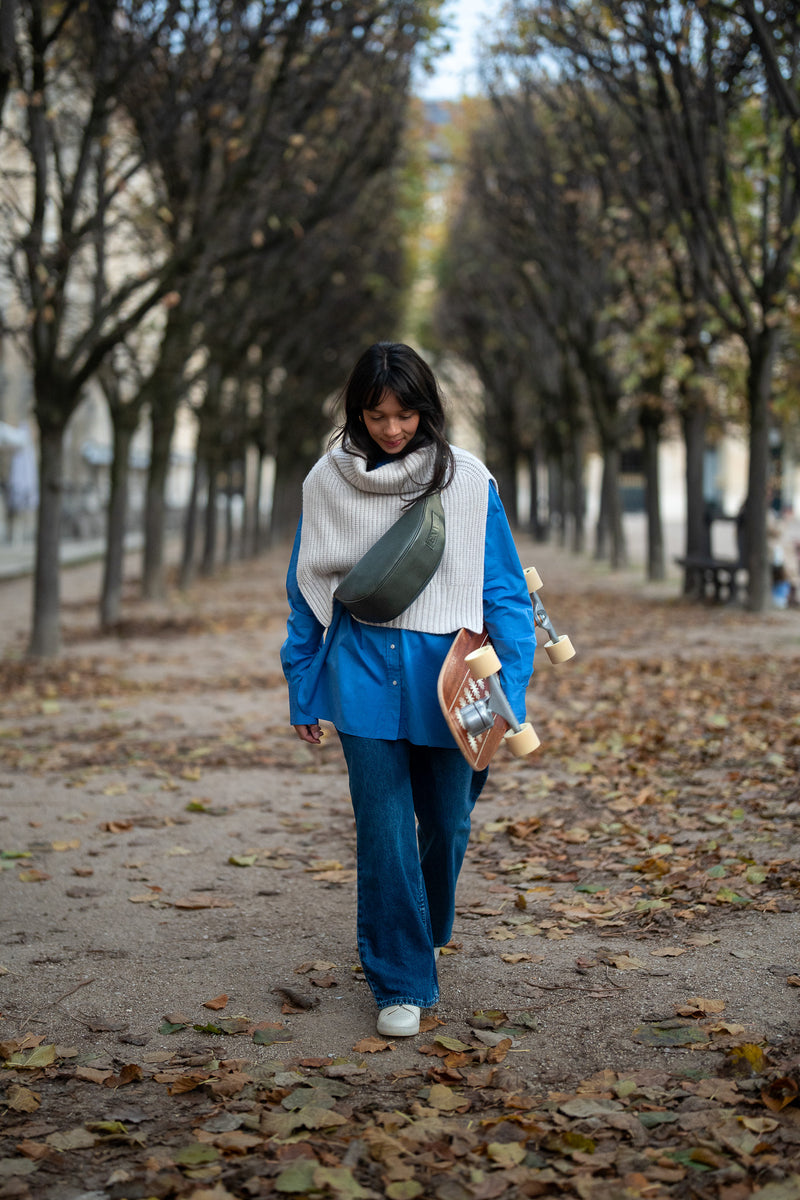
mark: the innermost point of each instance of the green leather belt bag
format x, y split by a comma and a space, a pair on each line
398, 567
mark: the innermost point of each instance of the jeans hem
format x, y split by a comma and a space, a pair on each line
415, 1000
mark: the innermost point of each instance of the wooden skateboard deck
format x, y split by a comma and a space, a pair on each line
477, 710
457, 687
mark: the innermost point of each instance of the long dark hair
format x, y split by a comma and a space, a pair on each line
395, 367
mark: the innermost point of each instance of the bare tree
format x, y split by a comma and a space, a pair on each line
709, 92
55, 196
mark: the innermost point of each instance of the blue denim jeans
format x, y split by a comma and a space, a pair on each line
412, 806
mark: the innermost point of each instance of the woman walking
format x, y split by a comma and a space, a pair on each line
411, 789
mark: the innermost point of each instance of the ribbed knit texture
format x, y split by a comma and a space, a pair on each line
346, 508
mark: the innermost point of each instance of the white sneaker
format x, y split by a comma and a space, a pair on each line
437, 950
399, 1020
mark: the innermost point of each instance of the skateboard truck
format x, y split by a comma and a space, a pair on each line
558, 649
479, 713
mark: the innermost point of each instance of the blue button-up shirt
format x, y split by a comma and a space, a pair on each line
377, 682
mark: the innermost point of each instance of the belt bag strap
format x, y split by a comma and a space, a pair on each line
398, 567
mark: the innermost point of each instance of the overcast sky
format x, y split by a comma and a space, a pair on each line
455, 72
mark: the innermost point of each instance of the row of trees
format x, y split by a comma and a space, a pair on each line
203, 201
210, 204
626, 249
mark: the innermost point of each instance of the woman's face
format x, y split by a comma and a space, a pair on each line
390, 425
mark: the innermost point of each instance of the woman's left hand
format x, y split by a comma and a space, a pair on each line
309, 733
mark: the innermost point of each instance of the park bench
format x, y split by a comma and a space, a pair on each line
720, 578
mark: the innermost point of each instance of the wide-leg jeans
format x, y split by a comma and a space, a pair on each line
412, 806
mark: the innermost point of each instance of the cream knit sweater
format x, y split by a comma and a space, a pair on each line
346, 508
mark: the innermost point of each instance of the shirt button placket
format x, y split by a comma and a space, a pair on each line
393, 663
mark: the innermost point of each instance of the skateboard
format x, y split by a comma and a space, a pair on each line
470, 696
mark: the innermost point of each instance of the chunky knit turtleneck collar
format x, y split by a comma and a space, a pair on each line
396, 477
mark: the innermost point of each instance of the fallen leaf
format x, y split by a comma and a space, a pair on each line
588, 1106
669, 1033
626, 962
404, 1189
196, 1155
371, 1045
445, 1099
727, 1028
130, 1073
269, 1033
499, 1052
451, 1043
72, 1139
699, 1006
338, 876
747, 1059
282, 1125
22, 1099
42, 1056
506, 1154
778, 1093
230, 1026
295, 1000
186, 1081
297, 1178
217, 1003
202, 900
92, 1075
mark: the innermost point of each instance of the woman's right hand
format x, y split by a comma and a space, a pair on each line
309, 733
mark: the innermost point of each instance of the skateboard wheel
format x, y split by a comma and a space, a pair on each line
482, 662
560, 650
522, 741
533, 579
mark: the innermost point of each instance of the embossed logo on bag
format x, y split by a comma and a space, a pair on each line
437, 528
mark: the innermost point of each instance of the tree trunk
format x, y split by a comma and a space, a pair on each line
163, 395
45, 640
650, 419
287, 499
694, 420
502, 462
230, 538
296, 451
555, 496
190, 528
248, 485
536, 522
759, 391
577, 491
116, 519
610, 532
162, 425
210, 538
256, 532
